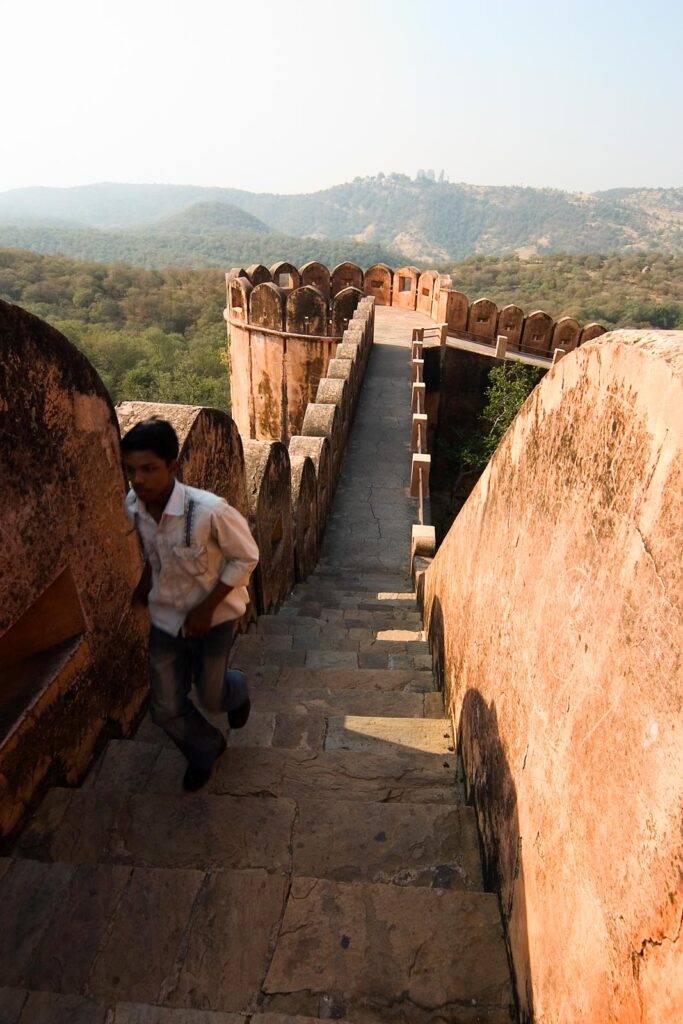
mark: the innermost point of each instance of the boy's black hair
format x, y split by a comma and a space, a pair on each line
155, 435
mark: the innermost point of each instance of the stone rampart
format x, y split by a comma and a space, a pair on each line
71, 647
555, 614
284, 326
426, 291
481, 320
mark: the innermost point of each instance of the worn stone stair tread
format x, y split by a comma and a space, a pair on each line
144, 935
424, 845
335, 615
400, 844
378, 947
24, 1006
254, 650
368, 626
388, 775
365, 733
167, 830
403, 680
396, 639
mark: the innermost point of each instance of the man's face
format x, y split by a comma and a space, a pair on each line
149, 475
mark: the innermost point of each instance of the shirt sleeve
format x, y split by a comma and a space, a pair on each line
231, 532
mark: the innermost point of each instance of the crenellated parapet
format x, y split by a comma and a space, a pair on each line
284, 326
479, 320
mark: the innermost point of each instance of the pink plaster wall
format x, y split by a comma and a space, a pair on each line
555, 612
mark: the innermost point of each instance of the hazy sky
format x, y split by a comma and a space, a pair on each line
287, 95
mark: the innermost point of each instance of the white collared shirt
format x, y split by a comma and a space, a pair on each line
221, 548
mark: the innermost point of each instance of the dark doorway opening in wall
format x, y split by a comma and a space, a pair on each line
36, 648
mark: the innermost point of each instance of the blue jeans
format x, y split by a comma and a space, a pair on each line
176, 662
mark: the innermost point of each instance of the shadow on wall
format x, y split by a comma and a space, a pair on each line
488, 783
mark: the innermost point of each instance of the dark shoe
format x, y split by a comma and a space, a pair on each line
195, 778
240, 716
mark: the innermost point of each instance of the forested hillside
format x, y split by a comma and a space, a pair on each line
386, 217
151, 334
160, 334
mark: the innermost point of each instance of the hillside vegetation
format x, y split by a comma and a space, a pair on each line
639, 290
388, 217
160, 334
192, 238
152, 335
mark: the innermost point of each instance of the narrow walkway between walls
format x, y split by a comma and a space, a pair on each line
330, 869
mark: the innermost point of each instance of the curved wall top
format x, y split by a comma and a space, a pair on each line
71, 646
571, 712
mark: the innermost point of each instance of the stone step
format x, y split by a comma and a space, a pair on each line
358, 625
367, 734
384, 953
317, 613
136, 937
21, 1006
352, 580
370, 600
390, 775
290, 679
433, 845
117, 933
347, 651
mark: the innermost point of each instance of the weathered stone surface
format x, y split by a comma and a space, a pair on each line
431, 846
53, 1008
352, 702
331, 659
433, 705
354, 732
203, 832
62, 960
233, 930
573, 737
379, 945
72, 825
138, 955
124, 766
71, 647
296, 731
392, 775
31, 894
12, 1001
143, 1013
404, 680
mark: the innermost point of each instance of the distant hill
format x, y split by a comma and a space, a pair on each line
210, 218
157, 246
389, 217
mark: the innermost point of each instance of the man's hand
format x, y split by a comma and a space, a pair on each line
198, 621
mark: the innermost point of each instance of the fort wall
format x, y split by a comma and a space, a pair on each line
72, 663
554, 614
282, 340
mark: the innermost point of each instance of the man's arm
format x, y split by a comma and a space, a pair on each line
143, 586
231, 532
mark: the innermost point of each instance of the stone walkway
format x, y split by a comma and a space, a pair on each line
369, 528
331, 867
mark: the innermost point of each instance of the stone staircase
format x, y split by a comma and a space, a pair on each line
330, 869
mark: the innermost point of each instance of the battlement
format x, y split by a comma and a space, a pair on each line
316, 302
